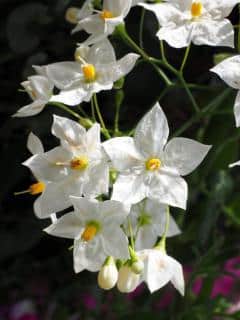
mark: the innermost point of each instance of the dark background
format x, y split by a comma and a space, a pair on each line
37, 267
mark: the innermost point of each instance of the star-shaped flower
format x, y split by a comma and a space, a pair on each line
95, 228
228, 70
94, 70
202, 22
77, 167
148, 222
150, 168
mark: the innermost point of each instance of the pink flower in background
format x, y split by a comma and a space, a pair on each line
233, 266
89, 301
165, 300
222, 286
23, 310
29, 317
136, 293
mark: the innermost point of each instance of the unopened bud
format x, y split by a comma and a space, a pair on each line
137, 267
108, 275
127, 280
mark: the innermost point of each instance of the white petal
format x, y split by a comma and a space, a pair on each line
31, 110
93, 137
221, 8
229, 71
70, 97
89, 256
52, 200
101, 53
130, 188
98, 182
152, 132
184, 155
234, 164
118, 7
64, 74
112, 72
122, 152
34, 144
146, 238
157, 271
92, 25
115, 242
84, 207
68, 226
178, 277
68, 131
237, 109
213, 33
113, 212
176, 36
169, 189
41, 86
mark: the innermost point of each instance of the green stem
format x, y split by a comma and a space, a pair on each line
185, 59
121, 31
209, 108
65, 108
105, 130
131, 234
162, 243
93, 110
141, 28
238, 44
116, 120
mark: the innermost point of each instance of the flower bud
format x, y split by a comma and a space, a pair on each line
137, 267
108, 275
127, 280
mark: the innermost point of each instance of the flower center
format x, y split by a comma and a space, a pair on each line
196, 9
144, 219
37, 188
92, 228
79, 163
153, 164
106, 14
89, 72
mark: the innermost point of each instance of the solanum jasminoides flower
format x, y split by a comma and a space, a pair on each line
159, 269
149, 167
94, 70
95, 228
229, 71
202, 22
40, 90
102, 23
148, 219
108, 274
77, 167
128, 280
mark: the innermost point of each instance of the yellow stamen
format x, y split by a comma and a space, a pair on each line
106, 14
37, 188
89, 72
79, 163
89, 232
196, 9
71, 15
153, 164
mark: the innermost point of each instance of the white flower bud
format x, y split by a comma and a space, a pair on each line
108, 275
137, 267
127, 280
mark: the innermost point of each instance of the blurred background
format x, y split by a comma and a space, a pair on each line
37, 281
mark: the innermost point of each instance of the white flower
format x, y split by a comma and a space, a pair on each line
95, 228
159, 269
148, 167
108, 275
94, 70
202, 22
40, 90
148, 221
128, 280
101, 24
228, 70
77, 167
73, 15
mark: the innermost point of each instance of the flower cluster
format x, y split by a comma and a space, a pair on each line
140, 174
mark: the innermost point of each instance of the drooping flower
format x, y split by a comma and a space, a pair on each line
95, 228
128, 280
148, 221
94, 70
102, 23
150, 168
160, 269
228, 71
77, 167
202, 22
108, 274
40, 90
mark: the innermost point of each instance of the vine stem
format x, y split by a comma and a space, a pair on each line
162, 243
65, 108
141, 28
185, 59
105, 130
